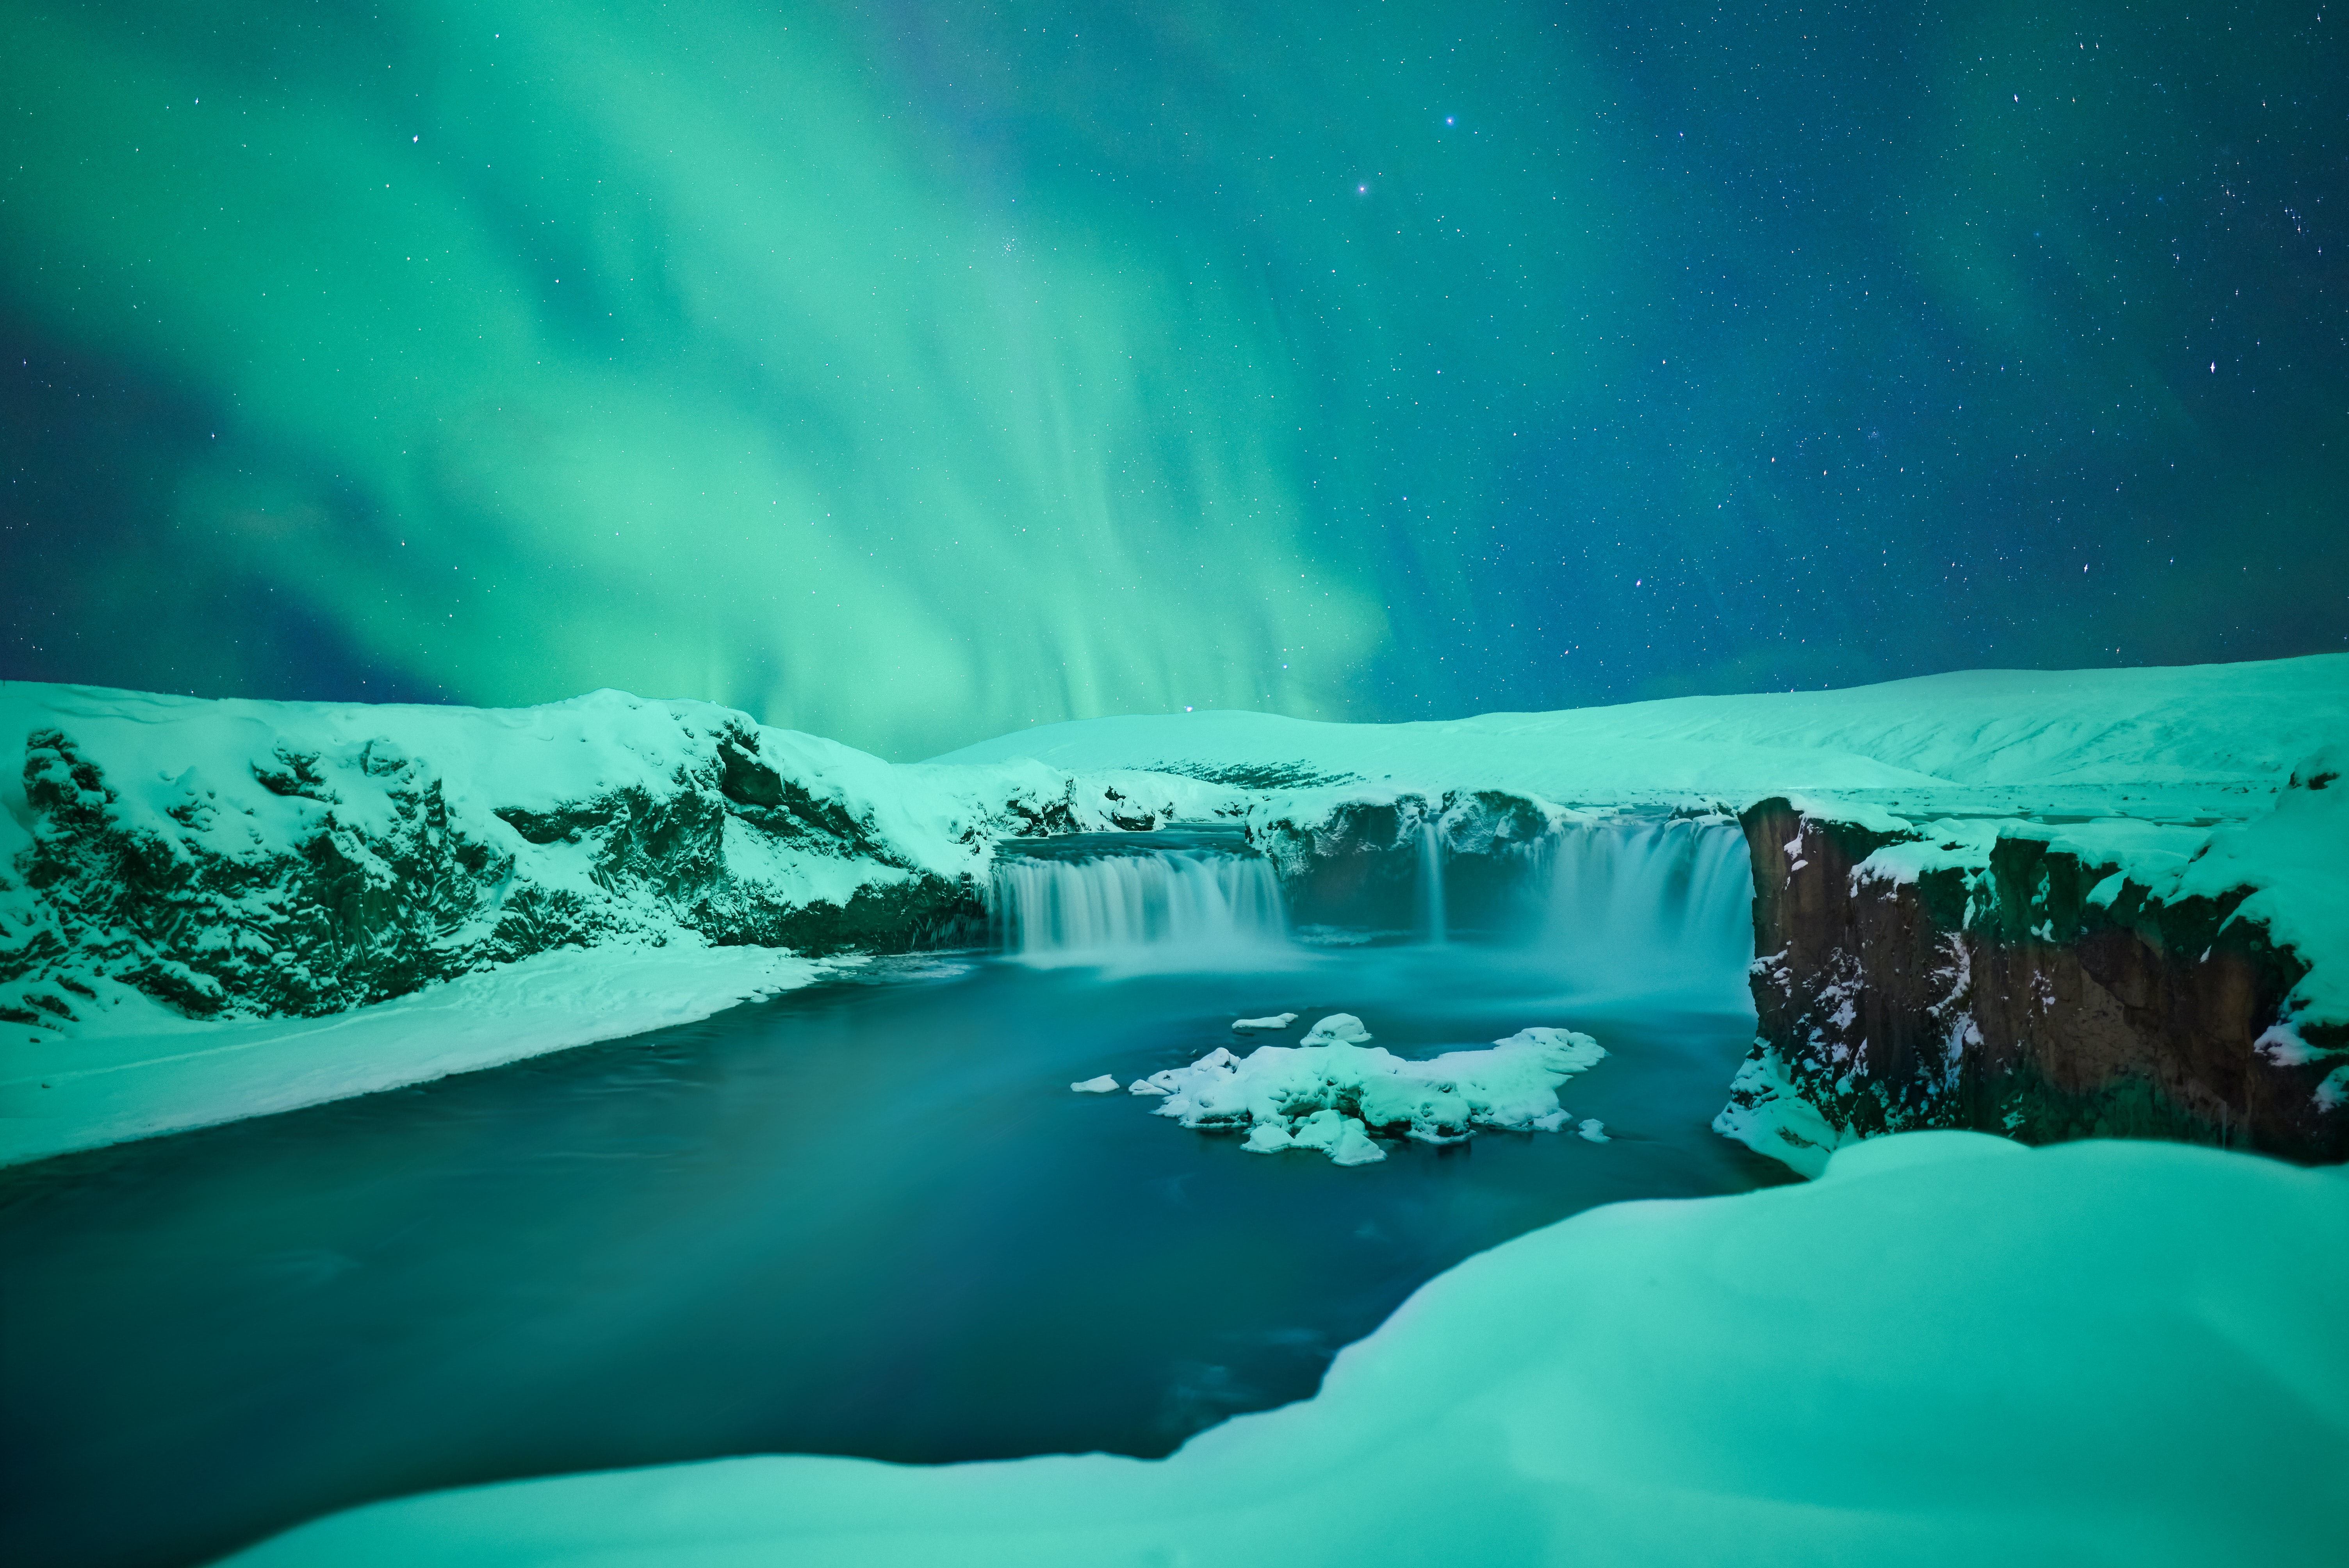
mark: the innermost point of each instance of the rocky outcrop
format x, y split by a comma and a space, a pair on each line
1357, 860
356, 905
2030, 990
242, 858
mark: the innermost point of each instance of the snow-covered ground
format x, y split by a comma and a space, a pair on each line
1949, 1350
145, 1070
2204, 740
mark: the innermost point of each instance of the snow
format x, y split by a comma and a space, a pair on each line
1769, 1115
1328, 1094
152, 1072
1101, 1085
1952, 1350
2295, 858
2195, 739
1278, 1021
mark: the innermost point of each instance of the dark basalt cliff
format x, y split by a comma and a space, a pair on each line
2001, 997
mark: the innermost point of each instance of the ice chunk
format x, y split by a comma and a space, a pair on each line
1335, 1097
1346, 1141
1278, 1021
1337, 1029
1101, 1085
1596, 1131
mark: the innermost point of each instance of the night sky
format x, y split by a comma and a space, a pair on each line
913, 372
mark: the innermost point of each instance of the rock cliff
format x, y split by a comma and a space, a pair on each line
2012, 981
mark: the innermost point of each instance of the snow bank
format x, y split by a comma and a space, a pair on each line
1329, 1094
1951, 1351
156, 1072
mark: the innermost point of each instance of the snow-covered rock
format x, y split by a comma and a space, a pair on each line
1337, 1029
1331, 1094
238, 859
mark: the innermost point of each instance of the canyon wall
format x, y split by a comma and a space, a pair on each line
2030, 990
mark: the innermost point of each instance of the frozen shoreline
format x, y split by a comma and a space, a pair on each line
87, 1090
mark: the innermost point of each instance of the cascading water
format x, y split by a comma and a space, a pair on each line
1431, 921
1635, 903
1081, 901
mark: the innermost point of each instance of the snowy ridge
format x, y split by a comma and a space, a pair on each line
2204, 736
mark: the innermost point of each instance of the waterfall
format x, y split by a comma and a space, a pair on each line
1114, 906
1633, 901
1430, 886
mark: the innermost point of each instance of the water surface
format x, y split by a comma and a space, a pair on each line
864, 1219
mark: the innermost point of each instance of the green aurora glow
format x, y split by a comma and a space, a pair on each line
909, 374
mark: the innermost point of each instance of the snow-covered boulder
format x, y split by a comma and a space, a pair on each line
1333, 1096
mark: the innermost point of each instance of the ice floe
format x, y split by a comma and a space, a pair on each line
1278, 1021
1331, 1093
1101, 1085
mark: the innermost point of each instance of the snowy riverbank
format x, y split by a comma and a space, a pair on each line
146, 1071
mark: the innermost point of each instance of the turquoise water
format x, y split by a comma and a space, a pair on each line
868, 1218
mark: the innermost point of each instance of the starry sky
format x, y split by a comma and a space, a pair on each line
912, 372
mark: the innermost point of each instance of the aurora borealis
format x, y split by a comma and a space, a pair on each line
910, 373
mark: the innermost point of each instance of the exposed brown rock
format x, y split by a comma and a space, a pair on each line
1996, 997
